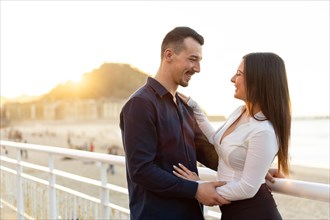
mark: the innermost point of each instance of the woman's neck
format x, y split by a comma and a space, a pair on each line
255, 109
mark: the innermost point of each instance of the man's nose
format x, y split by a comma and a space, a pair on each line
197, 67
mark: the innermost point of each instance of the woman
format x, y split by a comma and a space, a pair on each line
251, 138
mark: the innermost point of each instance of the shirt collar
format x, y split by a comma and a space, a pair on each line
260, 116
157, 87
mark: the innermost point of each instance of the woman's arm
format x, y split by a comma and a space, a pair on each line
200, 117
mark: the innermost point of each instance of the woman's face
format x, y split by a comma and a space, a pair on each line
239, 82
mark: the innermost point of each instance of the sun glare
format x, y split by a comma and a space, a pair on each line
75, 79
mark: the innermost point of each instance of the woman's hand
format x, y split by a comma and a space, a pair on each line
272, 174
183, 97
184, 173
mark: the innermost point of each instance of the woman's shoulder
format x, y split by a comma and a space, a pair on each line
238, 110
262, 126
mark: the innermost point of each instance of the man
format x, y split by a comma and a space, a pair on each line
159, 131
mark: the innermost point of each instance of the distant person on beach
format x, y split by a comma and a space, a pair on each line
5, 149
91, 147
250, 139
159, 130
69, 139
24, 152
113, 150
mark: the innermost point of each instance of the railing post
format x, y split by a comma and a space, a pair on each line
75, 208
104, 193
20, 199
205, 208
51, 189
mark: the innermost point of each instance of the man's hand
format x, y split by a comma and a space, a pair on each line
207, 195
272, 174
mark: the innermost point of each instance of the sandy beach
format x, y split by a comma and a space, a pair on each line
103, 134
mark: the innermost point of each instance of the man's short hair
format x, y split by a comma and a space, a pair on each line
175, 39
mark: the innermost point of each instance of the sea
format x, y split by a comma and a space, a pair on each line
309, 144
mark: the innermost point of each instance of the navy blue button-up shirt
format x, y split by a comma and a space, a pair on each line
157, 134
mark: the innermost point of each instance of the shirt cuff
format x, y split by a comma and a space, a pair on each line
201, 181
191, 103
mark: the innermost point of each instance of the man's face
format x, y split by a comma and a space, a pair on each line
187, 62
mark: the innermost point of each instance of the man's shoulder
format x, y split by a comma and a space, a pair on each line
140, 98
144, 92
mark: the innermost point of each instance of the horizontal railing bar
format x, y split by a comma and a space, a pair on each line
75, 177
25, 164
303, 189
46, 183
27, 176
79, 154
119, 208
90, 181
8, 170
79, 194
65, 189
67, 175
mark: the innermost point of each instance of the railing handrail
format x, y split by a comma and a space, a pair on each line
73, 153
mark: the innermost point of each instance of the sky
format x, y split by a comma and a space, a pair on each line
44, 43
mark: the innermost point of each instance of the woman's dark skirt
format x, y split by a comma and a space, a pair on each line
261, 206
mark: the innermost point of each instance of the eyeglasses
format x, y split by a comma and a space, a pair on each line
239, 72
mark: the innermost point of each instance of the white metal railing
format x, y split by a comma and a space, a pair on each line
57, 201
33, 197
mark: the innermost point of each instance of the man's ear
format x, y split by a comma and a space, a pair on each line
168, 54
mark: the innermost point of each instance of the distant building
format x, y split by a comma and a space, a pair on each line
63, 110
79, 109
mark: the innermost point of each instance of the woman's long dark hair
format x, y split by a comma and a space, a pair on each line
267, 85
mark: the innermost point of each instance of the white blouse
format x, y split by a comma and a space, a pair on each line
245, 154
